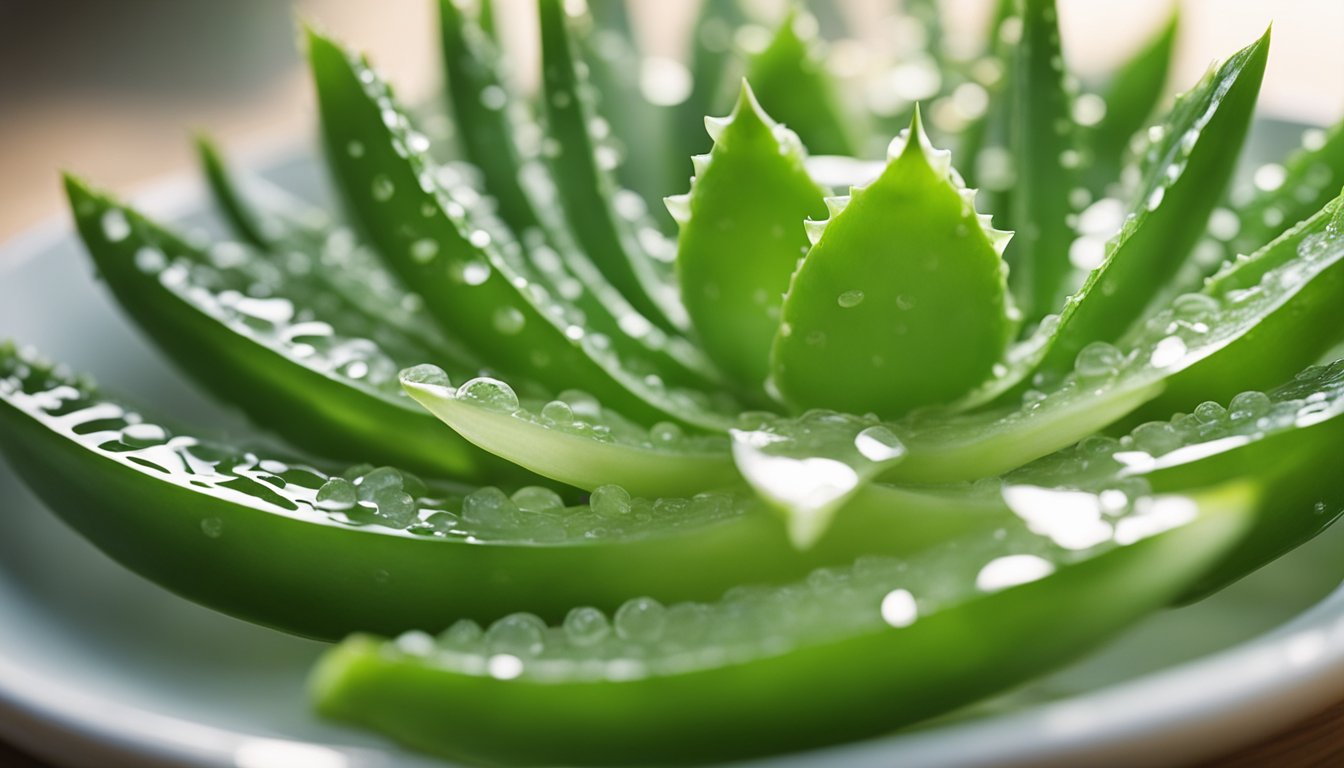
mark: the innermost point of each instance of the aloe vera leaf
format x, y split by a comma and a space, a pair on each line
472, 277
1187, 165
808, 468
714, 69
742, 235
493, 125
483, 111
791, 81
609, 225
265, 539
617, 74
573, 439
1310, 178
1285, 438
1130, 97
279, 361
984, 141
325, 268
1282, 342
1270, 315
901, 297
1044, 142
240, 216
876, 646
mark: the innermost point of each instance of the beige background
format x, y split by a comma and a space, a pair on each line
112, 90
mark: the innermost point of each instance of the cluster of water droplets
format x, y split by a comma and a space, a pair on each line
572, 412
645, 638
1314, 396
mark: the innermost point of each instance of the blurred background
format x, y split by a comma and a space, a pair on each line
113, 90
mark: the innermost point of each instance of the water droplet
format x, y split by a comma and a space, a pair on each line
488, 393
382, 188
878, 443
1209, 412
424, 250
558, 413
1011, 571
150, 260
509, 320
494, 97
899, 608
850, 299
487, 507
1098, 360
610, 501
1249, 405
1156, 438
426, 374
1194, 307
337, 494
475, 272
462, 634
212, 527
115, 226
536, 498
518, 634
665, 432
586, 626
480, 239
1269, 177
641, 620
354, 149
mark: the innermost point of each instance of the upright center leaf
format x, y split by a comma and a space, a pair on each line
742, 235
902, 301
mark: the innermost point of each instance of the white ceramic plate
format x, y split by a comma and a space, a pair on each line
98, 667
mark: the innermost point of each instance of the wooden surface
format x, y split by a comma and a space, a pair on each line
86, 88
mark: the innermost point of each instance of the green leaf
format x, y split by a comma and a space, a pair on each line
792, 82
1267, 317
1187, 165
901, 301
1044, 145
742, 236
491, 120
573, 439
609, 224
846, 654
1311, 177
472, 275
1130, 97
286, 364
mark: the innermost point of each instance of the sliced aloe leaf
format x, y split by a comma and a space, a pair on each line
573, 439
872, 302
325, 267
792, 82
472, 275
1130, 98
1284, 195
1269, 316
612, 227
695, 683
279, 361
809, 467
376, 549
1186, 166
742, 236
1044, 143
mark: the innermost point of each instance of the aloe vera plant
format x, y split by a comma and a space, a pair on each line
619, 495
